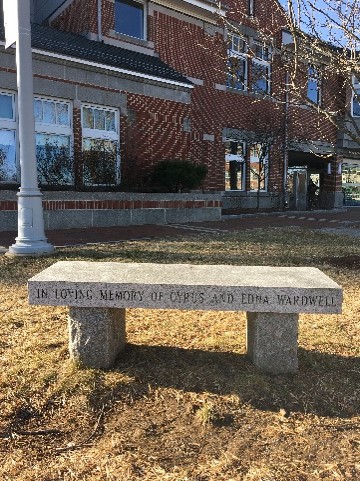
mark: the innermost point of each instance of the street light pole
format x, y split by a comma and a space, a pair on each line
31, 238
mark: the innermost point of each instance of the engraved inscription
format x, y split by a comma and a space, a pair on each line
41, 294
157, 296
254, 299
73, 294
222, 298
109, 295
321, 301
183, 298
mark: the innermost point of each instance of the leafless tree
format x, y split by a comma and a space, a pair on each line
321, 45
260, 143
325, 40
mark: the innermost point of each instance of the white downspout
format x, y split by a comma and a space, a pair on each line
99, 21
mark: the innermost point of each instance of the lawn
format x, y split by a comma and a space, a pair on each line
182, 402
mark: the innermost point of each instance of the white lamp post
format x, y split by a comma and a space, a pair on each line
31, 238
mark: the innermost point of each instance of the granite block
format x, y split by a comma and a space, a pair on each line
272, 341
96, 336
185, 286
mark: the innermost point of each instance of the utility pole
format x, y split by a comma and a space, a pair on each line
31, 238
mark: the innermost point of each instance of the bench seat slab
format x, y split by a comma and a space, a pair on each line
185, 286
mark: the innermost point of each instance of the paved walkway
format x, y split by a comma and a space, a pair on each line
345, 222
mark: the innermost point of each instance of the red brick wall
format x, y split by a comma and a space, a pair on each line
189, 49
305, 122
157, 132
11, 205
79, 17
153, 132
268, 14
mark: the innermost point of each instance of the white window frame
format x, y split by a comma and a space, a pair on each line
51, 128
12, 95
12, 126
145, 14
97, 134
55, 129
238, 158
356, 88
240, 54
263, 60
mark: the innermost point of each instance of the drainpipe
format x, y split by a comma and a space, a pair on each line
99, 21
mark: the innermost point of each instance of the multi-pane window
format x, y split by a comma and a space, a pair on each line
260, 71
130, 18
234, 165
8, 169
100, 119
356, 98
100, 128
53, 135
258, 167
314, 85
237, 63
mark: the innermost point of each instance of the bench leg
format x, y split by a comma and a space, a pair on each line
272, 341
96, 335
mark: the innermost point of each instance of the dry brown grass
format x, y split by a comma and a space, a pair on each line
182, 402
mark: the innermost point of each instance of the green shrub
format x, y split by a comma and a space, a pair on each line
178, 175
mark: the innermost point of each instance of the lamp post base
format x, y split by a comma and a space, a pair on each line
31, 240
30, 247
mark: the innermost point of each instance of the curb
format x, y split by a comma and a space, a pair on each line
283, 213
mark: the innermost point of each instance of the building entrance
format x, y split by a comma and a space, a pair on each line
296, 186
351, 181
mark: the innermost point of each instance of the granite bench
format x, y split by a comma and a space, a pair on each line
97, 294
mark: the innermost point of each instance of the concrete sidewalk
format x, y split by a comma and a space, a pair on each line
342, 221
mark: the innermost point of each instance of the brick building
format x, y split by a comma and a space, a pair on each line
143, 81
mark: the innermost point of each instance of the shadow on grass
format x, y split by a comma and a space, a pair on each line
325, 385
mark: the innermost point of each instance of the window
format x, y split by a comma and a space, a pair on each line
314, 85
130, 18
99, 119
7, 111
351, 181
8, 166
53, 134
237, 63
100, 127
356, 98
234, 165
258, 167
260, 72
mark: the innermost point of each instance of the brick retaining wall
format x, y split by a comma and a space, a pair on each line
63, 210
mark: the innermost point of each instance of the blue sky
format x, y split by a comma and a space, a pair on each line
323, 17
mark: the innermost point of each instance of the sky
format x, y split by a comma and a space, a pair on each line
325, 18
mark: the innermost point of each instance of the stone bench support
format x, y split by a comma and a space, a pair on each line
97, 294
96, 335
272, 341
